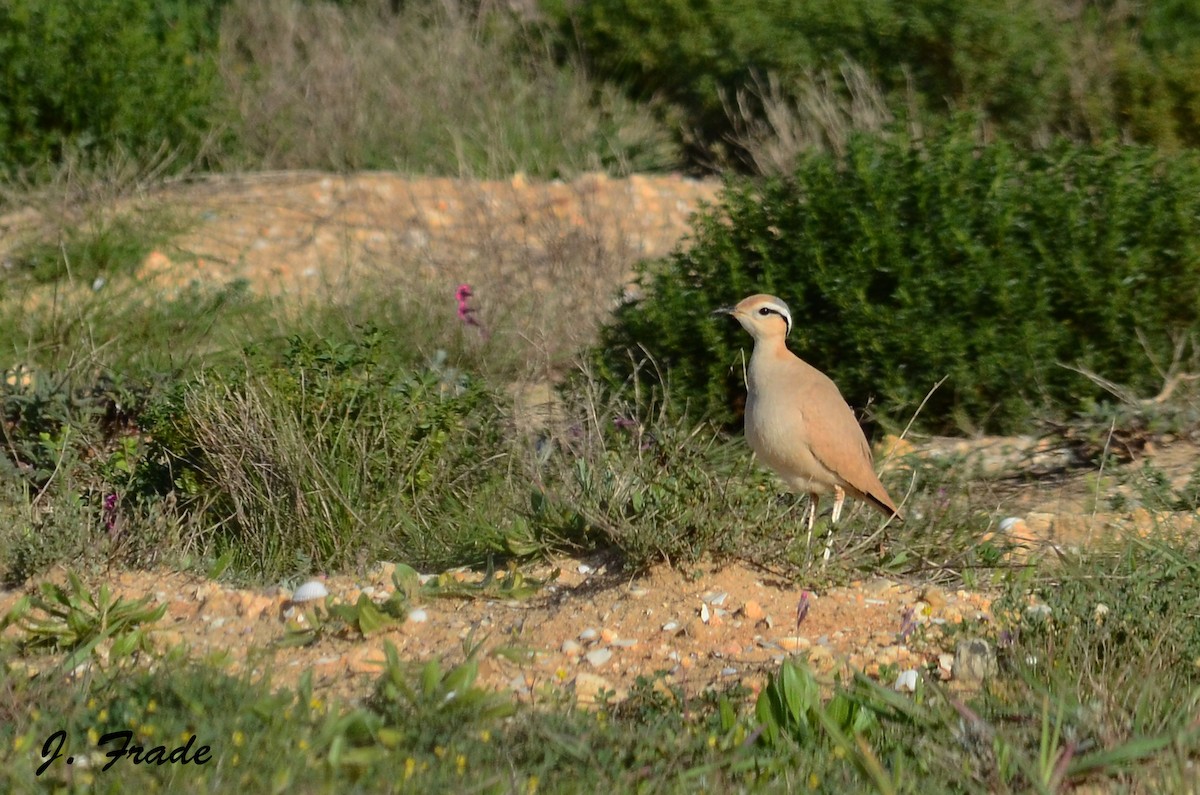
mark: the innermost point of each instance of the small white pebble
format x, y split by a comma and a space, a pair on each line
1007, 524
589, 634
715, 598
906, 682
310, 591
598, 657
571, 647
705, 615
418, 616
670, 626
585, 569
730, 671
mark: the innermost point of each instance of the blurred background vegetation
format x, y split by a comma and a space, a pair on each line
485, 89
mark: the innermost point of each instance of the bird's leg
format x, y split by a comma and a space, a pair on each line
811, 515
839, 499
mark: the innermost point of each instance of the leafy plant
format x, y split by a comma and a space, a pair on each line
437, 699
75, 620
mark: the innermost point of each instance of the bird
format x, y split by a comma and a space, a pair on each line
798, 423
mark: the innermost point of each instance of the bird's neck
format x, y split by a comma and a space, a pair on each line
769, 352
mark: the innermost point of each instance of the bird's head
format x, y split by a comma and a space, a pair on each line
764, 316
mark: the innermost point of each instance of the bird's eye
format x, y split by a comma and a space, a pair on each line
764, 311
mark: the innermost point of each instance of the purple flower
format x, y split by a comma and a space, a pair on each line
907, 624
110, 513
802, 608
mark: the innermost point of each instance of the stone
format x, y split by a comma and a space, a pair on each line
793, 643
588, 686
598, 657
974, 661
753, 611
906, 682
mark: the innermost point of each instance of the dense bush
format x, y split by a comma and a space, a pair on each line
905, 263
100, 75
1029, 68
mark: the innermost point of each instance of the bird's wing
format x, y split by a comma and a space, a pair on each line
836, 439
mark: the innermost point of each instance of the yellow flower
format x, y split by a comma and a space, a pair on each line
813, 781
93, 736
315, 703
531, 785
712, 741
238, 738
303, 744
103, 716
486, 735
460, 764
20, 742
151, 706
439, 751
410, 767
91, 703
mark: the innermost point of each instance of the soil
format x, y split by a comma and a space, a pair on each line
590, 628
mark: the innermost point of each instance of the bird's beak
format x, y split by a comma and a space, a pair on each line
725, 310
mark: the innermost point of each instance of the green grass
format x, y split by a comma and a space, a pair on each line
219, 431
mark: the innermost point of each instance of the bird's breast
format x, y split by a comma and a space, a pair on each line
772, 430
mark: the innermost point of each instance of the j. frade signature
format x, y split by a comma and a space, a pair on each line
52, 749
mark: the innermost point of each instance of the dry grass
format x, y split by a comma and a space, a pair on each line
775, 126
427, 89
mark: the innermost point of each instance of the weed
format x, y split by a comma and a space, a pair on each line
74, 620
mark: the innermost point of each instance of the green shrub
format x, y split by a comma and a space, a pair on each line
997, 57
1030, 68
904, 264
1156, 73
101, 75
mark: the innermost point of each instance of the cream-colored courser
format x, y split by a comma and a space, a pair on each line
798, 423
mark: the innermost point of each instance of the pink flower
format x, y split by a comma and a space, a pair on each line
465, 313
